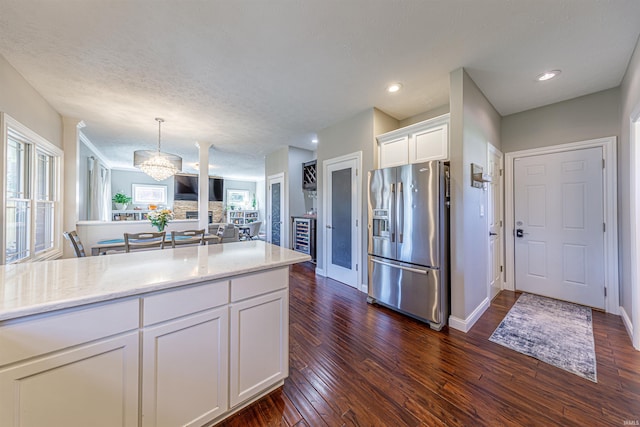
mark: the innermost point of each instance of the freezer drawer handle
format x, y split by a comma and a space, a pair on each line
413, 270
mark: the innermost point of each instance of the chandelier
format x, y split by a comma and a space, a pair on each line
156, 164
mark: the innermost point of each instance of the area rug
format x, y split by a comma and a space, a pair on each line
552, 331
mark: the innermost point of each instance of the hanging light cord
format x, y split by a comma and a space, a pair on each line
159, 120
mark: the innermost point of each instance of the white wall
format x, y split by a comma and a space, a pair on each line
630, 110
474, 123
22, 102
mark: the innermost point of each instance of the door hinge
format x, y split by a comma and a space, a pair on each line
500, 172
605, 291
356, 267
500, 223
501, 269
604, 227
356, 171
356, 222
602, 163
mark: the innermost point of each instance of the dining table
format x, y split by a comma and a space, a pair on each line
117, 244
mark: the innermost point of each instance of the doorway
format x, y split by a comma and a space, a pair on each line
561, 213
276, 210
342, 237
495, 203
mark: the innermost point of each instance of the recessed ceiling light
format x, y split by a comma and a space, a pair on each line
314, 140
394, 87
548, 75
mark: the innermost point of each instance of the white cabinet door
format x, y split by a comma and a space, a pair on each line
184, 378
394, 152
259, 344
429, 144
93, 385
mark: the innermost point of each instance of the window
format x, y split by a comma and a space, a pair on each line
33, 224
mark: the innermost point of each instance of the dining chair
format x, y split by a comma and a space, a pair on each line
253, 229
73, 238
146, 240
195, 236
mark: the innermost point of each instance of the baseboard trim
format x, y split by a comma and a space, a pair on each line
465, 325
320, 272
627, 322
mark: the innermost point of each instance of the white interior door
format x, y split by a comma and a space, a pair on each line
494, 219
276, 212
341, 221
559, 226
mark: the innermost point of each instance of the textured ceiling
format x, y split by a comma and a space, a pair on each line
252, 76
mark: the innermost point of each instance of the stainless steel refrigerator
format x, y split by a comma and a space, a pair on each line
409, 240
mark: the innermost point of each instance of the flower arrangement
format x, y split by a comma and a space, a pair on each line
160, 218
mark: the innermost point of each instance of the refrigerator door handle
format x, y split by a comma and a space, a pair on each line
393, 202
400, 212
401, 267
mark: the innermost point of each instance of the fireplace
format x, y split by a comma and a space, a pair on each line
194, 215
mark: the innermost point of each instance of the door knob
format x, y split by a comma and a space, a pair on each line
520, 232
491, 233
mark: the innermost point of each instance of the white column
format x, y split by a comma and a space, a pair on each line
203, 185
70, 145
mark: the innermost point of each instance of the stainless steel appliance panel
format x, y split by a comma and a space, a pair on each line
411, 289
418, 206
381, 215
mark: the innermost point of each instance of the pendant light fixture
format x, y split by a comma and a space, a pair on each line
156, 164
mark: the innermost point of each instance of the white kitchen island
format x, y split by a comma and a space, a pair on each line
174, 337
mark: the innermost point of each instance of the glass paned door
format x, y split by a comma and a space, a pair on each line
276, 221
276, 212
341, 218
341, 232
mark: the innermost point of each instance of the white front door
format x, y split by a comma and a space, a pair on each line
276, 213
494, 219
341, 221
559, 226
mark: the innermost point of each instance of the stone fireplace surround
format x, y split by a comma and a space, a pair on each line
181, 207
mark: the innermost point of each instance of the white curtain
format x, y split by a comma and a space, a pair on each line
98, 191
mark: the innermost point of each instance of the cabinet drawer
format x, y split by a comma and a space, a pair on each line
36, 335
181, 302
258, 284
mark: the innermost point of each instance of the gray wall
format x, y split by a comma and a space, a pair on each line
474, 123
21, 101
121, 180
289, 160
579, 119
349, 136
299, 203
444, 109
630, 110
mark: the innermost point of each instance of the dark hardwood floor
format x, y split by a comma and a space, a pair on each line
352, 364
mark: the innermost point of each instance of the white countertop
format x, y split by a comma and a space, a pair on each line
40, 287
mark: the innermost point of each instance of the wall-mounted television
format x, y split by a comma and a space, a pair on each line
186, 188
